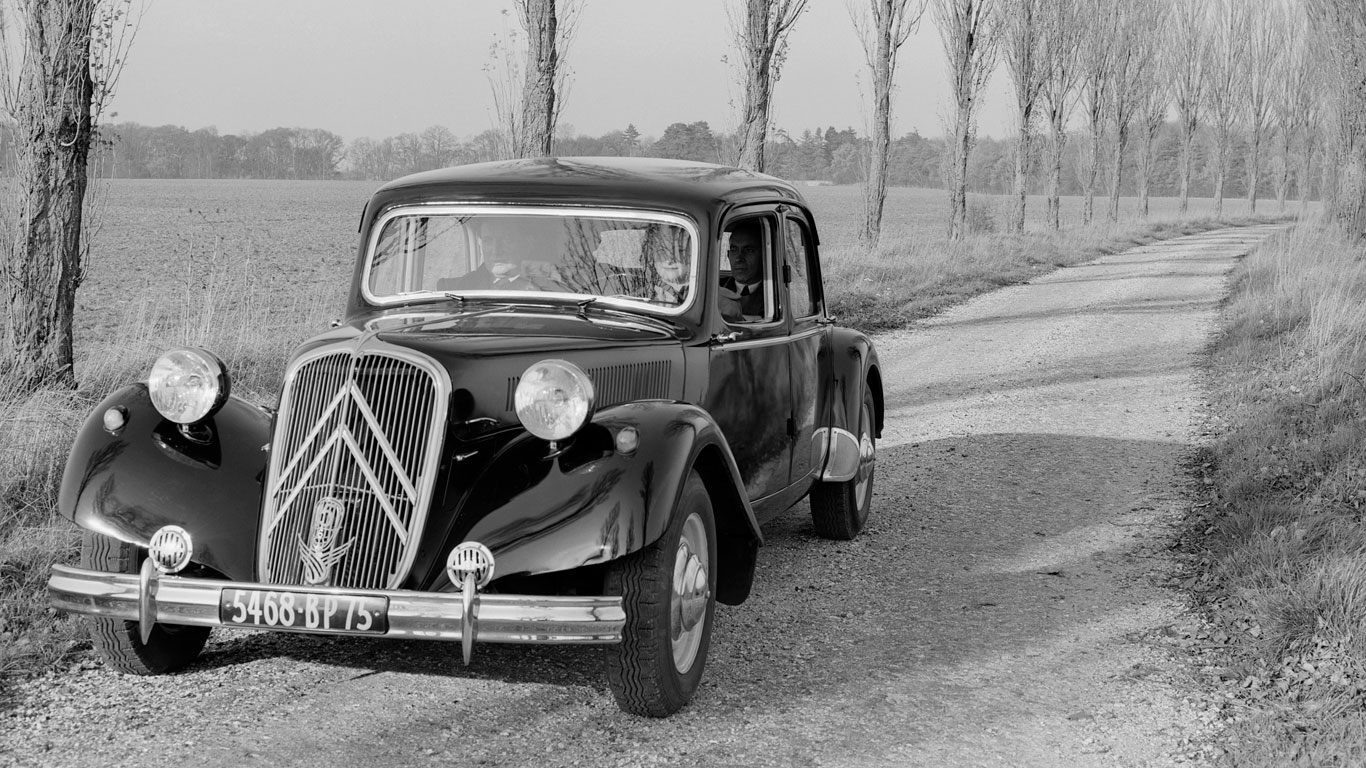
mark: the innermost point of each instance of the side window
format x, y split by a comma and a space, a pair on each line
795, 242
747, 292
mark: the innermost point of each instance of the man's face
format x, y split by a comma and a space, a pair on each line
746, 264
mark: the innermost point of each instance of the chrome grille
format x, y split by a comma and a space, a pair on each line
352, 468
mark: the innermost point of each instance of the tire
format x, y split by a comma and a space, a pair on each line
656, 668
169, 648
840, 509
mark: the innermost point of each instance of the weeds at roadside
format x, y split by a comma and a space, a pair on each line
904, 280
1284, 538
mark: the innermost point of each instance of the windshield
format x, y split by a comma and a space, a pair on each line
633, 256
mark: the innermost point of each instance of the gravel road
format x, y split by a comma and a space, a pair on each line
1007, 604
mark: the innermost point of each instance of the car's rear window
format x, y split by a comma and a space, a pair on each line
633, 256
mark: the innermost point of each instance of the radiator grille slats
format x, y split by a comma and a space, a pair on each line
362, 431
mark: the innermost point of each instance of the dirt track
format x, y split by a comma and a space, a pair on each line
1005, 607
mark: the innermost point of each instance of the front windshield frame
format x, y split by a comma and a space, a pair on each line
686, 223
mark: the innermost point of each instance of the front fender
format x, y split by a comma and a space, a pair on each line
592, 504
148, 475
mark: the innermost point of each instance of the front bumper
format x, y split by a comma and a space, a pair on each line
491, 618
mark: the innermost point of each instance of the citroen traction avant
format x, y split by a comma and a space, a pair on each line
565, 395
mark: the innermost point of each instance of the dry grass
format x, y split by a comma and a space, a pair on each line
249, 269
1287, 547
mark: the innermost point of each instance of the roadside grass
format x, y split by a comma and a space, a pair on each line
1282, 537
236, 276
909, 278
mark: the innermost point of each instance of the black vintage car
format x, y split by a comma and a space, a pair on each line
565, 395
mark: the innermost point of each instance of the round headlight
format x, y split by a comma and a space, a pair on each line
554, 399
187, 385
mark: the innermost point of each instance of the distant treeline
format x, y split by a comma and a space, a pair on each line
134, 151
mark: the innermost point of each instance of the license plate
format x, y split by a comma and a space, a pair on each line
303, 611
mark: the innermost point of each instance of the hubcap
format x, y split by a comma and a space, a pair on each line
691, 593
867, 458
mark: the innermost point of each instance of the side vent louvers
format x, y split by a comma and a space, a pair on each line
616, 384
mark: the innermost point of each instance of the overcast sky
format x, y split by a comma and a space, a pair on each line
378, 69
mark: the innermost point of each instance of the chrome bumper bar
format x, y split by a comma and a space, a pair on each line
412, 615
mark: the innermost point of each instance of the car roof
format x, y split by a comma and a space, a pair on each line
634, 182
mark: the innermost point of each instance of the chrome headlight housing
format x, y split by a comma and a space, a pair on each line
188, 385
554, 399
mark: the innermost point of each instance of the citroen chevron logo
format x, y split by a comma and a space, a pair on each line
341, 437
320, 553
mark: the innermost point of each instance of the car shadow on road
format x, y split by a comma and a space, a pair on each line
982, 551
579, 666
988, 559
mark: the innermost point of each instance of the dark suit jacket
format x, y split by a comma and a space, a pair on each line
750, 304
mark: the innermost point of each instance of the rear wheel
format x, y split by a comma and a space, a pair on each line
840, 509
168, 648
669, 597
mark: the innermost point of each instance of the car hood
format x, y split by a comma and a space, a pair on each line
486, 348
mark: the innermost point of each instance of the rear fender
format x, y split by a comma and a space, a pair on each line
591, 504
147, 475
854, 368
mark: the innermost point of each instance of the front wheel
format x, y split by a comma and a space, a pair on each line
170, 647
669, 597
840, 509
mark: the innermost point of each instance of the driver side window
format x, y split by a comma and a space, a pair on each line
747, 286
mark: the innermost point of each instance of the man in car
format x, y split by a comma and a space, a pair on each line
742, 292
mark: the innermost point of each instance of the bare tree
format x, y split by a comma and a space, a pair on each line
61, 59
761, 35
882, 28
1339, 28
1185, 58
1022, 37
1154, 97
1265, 41
1310, 110
528, 77
1099, 19
1060, 45
1225, 73
967, 28
1292, 101
1133, 86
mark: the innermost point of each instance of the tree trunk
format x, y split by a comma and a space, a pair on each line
53, 119
538, 94
1187, 150
1220, 169
1022, 142
1057, 142
1254, 171
1283, 175
1302, 184
1349, 204
758, 53
1116, 172
1145, 171
1088, 206
958, 175
875, 194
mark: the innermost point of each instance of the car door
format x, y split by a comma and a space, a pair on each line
749, 389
